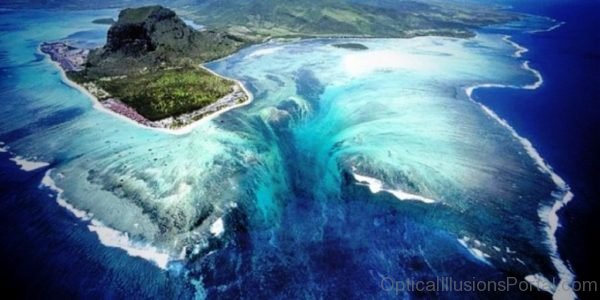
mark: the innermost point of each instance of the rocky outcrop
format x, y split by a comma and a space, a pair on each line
155, 37
149, 70
143, 30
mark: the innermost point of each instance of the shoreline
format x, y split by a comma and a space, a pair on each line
107, 236
548, 214
520, 49
98, 105
187, 128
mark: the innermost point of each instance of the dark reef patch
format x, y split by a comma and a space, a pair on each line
351, 46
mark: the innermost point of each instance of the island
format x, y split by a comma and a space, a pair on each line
104, 21
150, 69
365, 162
351, 46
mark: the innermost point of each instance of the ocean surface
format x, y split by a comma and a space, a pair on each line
562, 117
350, 170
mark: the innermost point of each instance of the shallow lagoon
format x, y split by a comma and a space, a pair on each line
281, 174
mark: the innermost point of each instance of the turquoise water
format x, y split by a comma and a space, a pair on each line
315, 188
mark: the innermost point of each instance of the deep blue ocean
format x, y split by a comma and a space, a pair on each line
562, 118
48, 251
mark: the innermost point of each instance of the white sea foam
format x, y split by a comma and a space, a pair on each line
553, 27
108, 236
532, 86
541, 282
520, 49
3, 147
114, 238
217, 228
538, 75
376, 186
407, 196
28, 165
480, 255
49, 182
548, 214
263, 52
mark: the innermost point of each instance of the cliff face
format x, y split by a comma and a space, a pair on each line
155, 37
143, 30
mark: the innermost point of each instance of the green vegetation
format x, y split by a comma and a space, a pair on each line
165, 93
255, 20
259, 19
150, 56
150, 62
154, 37
137, 15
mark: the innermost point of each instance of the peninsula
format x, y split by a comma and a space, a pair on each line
149, 70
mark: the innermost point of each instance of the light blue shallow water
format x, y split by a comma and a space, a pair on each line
285, 175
